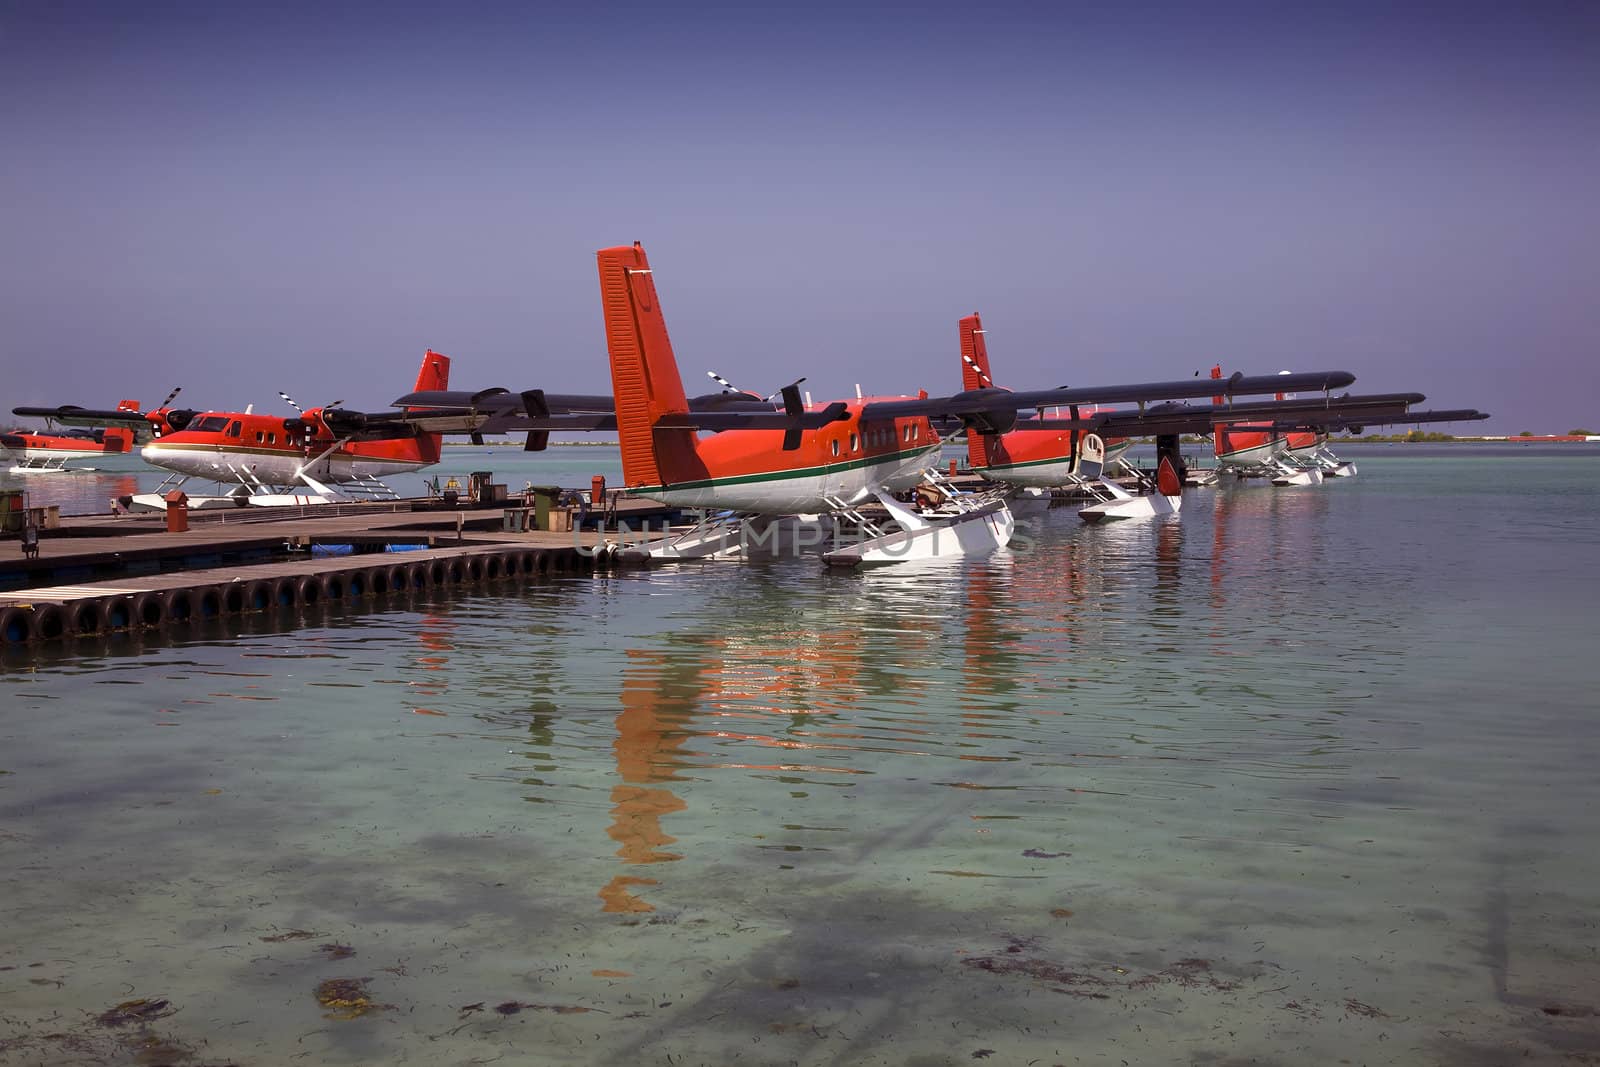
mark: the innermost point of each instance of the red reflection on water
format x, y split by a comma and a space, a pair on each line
434, 635
657, 702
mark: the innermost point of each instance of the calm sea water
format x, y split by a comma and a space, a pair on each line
1306, 776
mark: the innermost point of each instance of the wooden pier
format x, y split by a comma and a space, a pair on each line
94, 576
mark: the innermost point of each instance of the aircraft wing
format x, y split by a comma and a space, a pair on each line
500, 411
995, 410
498, 401
1199, 418
1418, 417
1333, 413
537, 413
73, 415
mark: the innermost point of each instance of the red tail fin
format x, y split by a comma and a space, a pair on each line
434, 372
1219, 443
975, 375
118, 438
127, 405
644, 373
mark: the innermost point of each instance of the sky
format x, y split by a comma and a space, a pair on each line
240, 198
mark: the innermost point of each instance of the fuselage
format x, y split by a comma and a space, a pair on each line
1040, 459
748, 470
1303, 443
26, 445
1242, 445
225, 446
1037, 458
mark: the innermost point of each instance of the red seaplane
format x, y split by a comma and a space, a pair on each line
1029, 456
32, 452
1050, 451
317, 456
1294, 451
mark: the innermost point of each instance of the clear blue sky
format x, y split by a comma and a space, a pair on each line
245, 197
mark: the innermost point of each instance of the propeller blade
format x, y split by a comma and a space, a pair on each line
794, 406
534, 403
784, 392
171, 397
287, 399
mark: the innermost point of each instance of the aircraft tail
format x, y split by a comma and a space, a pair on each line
644, 373
434, 374
1219, 443
975, 375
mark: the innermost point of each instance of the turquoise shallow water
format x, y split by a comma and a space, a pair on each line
1303, 777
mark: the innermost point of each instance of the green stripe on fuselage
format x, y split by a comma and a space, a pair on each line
779, 476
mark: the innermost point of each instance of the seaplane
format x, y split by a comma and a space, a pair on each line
1028, 456
1049, 452
1284, 457
1043, 454
1054, 451
319, 455
32, 452
800, 476
1293, 451
126, 417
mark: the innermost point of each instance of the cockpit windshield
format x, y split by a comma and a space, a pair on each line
208, 424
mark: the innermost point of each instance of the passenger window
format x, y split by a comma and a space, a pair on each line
835, 446
854, 443
260, 437
234, 427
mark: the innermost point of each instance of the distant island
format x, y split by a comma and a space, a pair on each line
512, 442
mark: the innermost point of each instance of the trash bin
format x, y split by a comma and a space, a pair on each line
544, 499
12, 516
177, 511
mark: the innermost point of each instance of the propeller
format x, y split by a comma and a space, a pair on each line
533, 402
170, 397
729, 387
792, 405
984, 380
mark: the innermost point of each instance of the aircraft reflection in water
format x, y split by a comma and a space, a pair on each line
682, 704
433, 634
660, 696
83, 493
